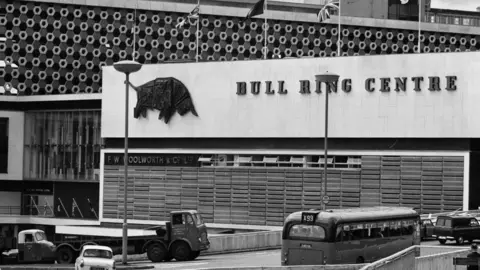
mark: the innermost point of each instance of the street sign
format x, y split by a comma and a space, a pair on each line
326, 199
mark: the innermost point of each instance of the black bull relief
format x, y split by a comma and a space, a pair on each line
168, 95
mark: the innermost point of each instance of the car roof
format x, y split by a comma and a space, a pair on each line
96, 247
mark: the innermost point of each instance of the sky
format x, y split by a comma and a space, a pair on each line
466, 5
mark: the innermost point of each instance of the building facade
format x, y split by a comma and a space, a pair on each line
249, 146
54, 130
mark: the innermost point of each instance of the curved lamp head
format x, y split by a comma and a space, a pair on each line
127, 66
327, 77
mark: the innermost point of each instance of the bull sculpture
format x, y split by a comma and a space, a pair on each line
168, 95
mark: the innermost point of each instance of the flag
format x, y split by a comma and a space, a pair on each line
192, 15
324, 13
257, 9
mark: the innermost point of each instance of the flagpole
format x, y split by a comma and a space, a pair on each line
419, 24
339, 27
198, 29
266, 32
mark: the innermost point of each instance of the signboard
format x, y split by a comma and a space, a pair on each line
326, 199
381, 96
144, 159
309, 218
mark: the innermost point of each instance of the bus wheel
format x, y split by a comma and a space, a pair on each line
194, 254
156, 252
360, 260
442, 241
181, 251
460, 240
65, 255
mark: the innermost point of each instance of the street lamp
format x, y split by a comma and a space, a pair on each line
326, 78
127, 67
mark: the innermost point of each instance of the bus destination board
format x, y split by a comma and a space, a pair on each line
309, 218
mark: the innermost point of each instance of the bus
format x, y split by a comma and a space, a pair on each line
348, 236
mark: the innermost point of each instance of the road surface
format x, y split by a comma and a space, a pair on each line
266, 258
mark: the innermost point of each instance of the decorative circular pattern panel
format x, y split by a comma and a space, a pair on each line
60, 49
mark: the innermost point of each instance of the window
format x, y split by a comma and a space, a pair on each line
407, 12
177, 219
62, 145
3, 145
40, 236
98, 253
473, 222
307, 231
28, 238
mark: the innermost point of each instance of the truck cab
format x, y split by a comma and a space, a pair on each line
184, 237
31, 246
456, 228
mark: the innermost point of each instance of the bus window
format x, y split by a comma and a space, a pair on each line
307, 231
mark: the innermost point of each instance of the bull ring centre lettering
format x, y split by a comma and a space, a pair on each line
397, 84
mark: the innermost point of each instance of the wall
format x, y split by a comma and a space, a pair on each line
266, 195
15, 145
404, 259
354, 114
81, 193
442, 261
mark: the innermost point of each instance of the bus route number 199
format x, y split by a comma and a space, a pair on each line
308, 218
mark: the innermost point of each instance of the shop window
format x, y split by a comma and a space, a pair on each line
3, 145
62, 145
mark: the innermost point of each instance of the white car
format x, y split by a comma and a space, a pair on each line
95, 258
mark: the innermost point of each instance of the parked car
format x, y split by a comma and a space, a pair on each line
95, 257
456, 228
426, 228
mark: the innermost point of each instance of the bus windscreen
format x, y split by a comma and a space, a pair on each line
303, 231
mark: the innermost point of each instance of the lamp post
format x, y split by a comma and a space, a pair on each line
127, 67
326, 78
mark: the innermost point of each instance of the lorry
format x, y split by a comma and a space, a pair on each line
183, 237
31, 246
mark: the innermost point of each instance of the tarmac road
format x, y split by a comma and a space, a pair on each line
266, 258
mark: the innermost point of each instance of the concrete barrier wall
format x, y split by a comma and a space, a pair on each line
433, 250
244, 242
302, 267
404, 259
442, 261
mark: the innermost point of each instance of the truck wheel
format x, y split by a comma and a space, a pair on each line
156, 252
442, 241
181, 251
194, 254
168, 258
65, 255
460, 240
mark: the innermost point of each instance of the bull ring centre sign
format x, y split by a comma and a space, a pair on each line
397, 84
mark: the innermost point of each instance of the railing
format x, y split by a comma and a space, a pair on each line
10, 210
465, 20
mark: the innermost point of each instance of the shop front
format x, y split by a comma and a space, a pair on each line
242, 142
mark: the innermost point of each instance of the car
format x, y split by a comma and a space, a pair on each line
459, 228
426, 229
95, 257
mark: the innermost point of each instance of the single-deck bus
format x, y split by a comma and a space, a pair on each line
347, 236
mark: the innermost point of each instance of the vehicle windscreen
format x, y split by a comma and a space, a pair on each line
198, 219
39, 236
303, 231
97, 253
